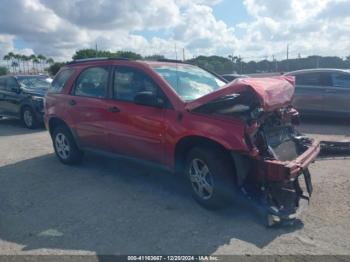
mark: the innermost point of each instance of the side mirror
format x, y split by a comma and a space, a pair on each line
148, 99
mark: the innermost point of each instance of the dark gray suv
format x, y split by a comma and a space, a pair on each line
322, 91
22, 97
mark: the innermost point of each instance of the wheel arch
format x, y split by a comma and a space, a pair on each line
185, 144
55, 122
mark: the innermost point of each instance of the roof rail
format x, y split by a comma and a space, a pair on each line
170, 60
85, 60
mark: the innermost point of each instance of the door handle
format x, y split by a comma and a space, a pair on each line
72, 102
114, 109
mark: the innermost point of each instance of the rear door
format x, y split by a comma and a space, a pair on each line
87, 107
2, 95
9, 96
135, 130
309, 91
337, 95
13, 97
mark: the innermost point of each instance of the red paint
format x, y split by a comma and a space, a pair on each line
153, 133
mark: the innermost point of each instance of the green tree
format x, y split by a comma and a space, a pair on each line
154, 57
7, 58
42, 60
91, 53
3, 70
54, 68
32, 58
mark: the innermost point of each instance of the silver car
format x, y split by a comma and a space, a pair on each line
322, 91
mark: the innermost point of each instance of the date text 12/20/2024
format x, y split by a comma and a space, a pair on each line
173, 258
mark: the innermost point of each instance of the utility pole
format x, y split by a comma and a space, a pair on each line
183, 54
240, 59
287, 57
175, 52
96, 49
276, 65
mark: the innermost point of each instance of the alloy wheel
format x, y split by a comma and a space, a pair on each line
62, 146
201, 179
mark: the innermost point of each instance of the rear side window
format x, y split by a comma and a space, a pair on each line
341, 80
313, 79
92, 82
60, 81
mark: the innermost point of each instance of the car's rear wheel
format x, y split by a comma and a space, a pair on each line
28, 118
211, 176
65, 146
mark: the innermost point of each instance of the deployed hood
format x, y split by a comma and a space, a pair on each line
272, 93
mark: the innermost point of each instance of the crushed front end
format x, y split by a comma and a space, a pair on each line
278, 177
273, 173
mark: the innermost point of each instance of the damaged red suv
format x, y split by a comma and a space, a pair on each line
232, 140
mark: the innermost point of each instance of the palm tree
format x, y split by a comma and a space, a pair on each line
41, 58
11, 55
50, 61
32, 58
17, 58
25, 60
36, 61
7, 58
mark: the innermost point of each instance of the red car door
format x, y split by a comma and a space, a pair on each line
87, 107
133, 129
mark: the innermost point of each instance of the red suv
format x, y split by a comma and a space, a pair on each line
231, 140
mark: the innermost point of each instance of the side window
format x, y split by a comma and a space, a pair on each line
308, 79
128, 82
92, 82
313, 79
11, 84
60, 81
341, 80
2, 84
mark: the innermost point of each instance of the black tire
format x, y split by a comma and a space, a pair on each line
221, 171
28, 118
72, 155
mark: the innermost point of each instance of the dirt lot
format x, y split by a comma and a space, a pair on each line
109, 206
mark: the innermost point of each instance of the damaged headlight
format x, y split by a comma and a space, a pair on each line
256, 113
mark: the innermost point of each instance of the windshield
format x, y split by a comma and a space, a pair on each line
34, 82
189, 82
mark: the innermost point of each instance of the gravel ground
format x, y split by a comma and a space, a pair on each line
109, 206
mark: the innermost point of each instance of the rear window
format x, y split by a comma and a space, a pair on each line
60, 81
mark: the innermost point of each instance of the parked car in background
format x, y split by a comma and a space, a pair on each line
231, 77
22, 97
225, 137
322, 91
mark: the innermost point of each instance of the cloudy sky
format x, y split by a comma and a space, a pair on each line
253, 29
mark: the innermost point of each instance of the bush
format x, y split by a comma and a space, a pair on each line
3, 70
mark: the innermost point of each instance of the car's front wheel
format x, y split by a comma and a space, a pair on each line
211, 176
65, 146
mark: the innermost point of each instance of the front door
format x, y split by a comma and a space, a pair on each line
135, 130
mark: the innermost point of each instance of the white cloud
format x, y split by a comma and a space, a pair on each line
58, 28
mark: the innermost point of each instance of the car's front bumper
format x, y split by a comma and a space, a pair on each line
279, 171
